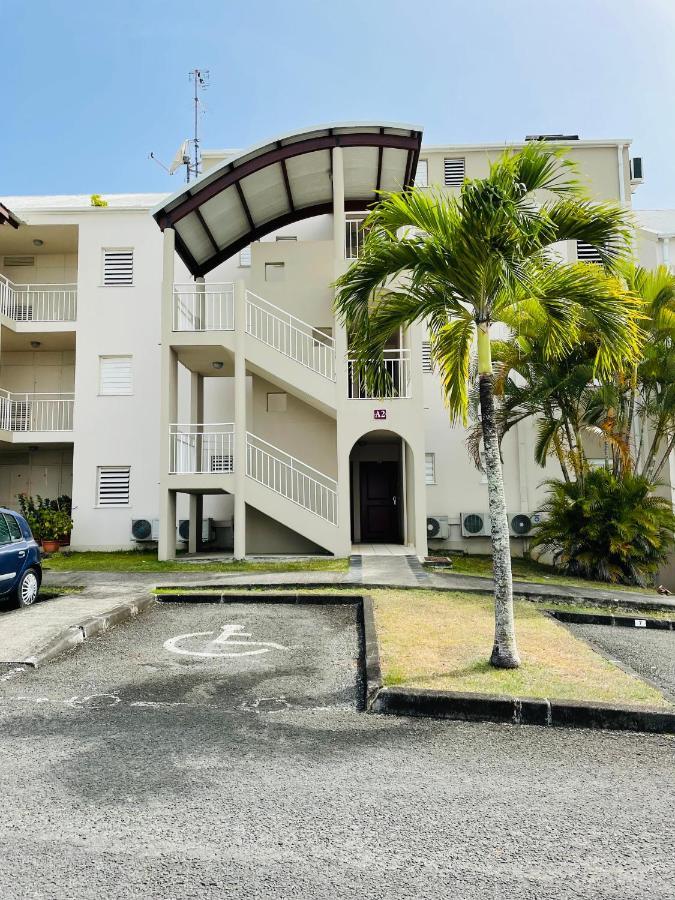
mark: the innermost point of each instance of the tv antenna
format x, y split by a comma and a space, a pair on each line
189, 153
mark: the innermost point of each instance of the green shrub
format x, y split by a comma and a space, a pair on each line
49, 520
606, 528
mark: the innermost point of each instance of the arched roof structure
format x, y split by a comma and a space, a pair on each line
283, 181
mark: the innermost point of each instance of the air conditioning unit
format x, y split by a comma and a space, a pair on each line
145, 529
636, 176
437, 528
520, 525
475, 524
208, 532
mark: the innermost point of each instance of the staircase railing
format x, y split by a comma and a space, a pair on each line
293, 479
291, 336
38, 302
198, 449
203, 307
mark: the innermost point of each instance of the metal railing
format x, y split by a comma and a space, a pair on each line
203, 307
38, 302
395, 378
201, 449
31, 412
291, 336
354, 238
291, 478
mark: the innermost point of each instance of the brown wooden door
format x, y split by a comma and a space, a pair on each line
379, 502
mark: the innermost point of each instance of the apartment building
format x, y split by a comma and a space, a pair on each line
189, 383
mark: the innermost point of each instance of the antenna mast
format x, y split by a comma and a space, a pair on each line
200, 77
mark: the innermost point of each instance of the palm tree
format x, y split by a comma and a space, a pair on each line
462, 265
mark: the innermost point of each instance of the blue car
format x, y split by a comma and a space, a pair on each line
20, 568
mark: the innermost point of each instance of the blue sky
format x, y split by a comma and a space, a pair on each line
91, 88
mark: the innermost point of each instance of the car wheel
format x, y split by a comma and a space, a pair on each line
27, 588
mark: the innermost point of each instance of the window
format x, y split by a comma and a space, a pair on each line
274, 271
422, 174
115, 376
13, 525
427, 365
277, 402
118, 267
588, 253
245, 256
430, 468
354, 236
453, 171
286, 237
5, 537
113, 485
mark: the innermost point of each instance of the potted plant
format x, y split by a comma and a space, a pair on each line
49, 520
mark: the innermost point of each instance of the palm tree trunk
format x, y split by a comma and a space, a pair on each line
504, 652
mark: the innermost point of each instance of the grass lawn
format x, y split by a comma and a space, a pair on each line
138, 561
443, 641
529, 570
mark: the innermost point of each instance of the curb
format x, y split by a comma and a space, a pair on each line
521, 710
74, 635
619, 621
533, 595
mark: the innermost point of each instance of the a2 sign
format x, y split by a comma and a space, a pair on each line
379, 414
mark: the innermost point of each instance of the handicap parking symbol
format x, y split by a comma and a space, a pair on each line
231, 641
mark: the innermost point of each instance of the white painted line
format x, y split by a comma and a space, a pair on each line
228, 636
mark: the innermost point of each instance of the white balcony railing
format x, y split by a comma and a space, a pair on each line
203, 307
291, 336
201, 449
32, 412
354, 238
396, 378
38, 302
291, 478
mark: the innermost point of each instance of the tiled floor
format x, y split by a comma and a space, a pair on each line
382, 549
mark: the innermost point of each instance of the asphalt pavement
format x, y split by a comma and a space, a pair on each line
137, 768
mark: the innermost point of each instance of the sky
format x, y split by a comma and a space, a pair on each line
91, 88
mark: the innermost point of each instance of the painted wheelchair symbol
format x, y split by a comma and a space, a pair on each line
219, 646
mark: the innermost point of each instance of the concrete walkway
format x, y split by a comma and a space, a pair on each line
24, 632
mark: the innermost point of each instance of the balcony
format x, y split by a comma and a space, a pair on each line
201, 449
394, 383
203, 307
33, 413
38, 302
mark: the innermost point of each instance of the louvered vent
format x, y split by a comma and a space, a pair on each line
427, 365
15, 262
453, 171
113, 485
245, 256
118, 267
115, 375
422, 174
588, 253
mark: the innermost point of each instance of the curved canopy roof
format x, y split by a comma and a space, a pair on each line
283, 181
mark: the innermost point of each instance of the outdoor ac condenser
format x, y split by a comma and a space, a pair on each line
144, 530
475, 524
437, 528
208, 532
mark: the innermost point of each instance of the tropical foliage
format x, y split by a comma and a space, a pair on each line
460, 265
49, 520
607, 527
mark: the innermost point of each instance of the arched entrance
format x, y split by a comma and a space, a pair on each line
381, 489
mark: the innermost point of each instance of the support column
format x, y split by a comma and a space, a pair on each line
343, 448
240, 425
168, 404
197, 421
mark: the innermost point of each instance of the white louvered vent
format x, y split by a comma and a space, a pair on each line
588, 253
453, 171
115, 375
113, 485
15, 261
118, 267
427, 365
430, 468
245, 256
422, 174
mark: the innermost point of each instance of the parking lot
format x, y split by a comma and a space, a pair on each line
128, 769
